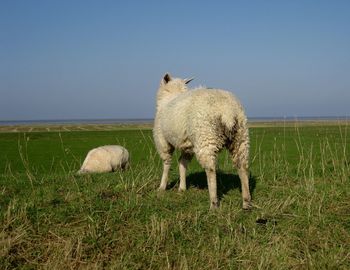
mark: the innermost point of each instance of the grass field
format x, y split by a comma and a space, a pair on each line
53, 219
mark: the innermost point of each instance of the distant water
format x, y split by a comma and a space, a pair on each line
75, 121
297, 118
149, 120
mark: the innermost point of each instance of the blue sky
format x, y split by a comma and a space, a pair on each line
104, 59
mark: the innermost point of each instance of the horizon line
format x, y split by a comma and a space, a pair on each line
140, 120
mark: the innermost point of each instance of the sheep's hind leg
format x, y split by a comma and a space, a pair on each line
166, 156
241, 162
212, 186
207, 159
165, 175
243, 175
184, 160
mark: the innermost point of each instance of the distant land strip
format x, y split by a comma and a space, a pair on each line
69, 126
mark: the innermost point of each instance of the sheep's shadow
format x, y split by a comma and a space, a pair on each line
225, 182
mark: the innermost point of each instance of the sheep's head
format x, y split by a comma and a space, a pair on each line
170, 87
173, 85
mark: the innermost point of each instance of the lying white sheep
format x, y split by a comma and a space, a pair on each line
201, 122
106, 158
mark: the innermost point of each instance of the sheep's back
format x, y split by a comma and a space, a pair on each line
117, 155
195, 114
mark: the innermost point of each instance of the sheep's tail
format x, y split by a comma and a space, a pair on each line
237, 134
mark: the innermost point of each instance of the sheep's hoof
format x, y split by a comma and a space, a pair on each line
161, 189
182, 189
214, 205
247, 206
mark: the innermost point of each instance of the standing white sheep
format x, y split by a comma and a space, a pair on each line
201, 122
106, 158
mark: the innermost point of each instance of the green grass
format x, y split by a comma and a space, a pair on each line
54, 219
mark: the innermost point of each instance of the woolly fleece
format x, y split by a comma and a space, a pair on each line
106, 158
201, 122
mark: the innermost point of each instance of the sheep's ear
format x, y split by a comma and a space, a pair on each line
166, 78
188, 80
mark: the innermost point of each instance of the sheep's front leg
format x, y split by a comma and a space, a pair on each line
182, 171
165, 175
183, 162
212, 186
